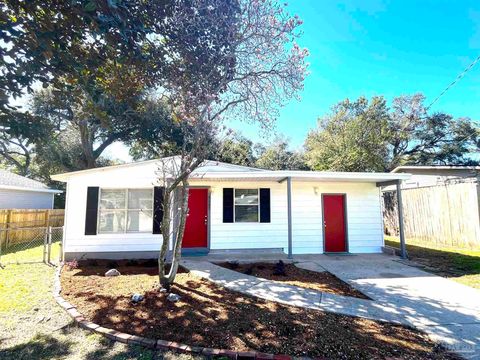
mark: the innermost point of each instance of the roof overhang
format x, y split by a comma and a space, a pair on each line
19, 188
307, 176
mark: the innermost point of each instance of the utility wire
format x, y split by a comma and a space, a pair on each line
457, 79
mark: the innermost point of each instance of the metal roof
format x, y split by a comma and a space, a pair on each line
216, 170
279, 175
212, 164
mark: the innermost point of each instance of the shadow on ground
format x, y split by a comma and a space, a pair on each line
448, 263
212, 316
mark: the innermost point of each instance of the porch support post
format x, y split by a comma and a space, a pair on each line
289, 205
403, 248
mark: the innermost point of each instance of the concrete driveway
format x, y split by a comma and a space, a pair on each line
449, 312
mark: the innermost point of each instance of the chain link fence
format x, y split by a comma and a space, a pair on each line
31, 245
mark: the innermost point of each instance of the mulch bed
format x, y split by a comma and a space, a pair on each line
320, 281
211, 316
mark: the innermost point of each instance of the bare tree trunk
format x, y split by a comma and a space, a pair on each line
86, 139
165, 227
167, 279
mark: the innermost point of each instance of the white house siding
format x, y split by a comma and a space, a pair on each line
17, 199
363, 215
248, 235
140, 176
364, 219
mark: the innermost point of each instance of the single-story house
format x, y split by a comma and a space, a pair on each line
111, 212
19, 192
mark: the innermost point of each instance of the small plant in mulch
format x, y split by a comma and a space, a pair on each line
72, 264
131, 263
249, 270
279, 269
150, 263
92, 262
233, 265
112, 265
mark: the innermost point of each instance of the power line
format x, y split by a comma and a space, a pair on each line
457, 79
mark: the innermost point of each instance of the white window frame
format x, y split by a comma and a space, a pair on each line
126, 190
235, 205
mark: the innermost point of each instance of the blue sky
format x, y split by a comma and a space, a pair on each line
389, 48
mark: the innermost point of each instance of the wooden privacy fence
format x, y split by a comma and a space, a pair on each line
23, 224
445, 214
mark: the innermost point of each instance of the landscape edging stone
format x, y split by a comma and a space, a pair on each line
115, 335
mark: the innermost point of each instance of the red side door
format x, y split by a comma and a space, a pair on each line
334, 223
195, 235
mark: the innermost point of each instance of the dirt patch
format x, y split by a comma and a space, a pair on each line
211, 316
292, 275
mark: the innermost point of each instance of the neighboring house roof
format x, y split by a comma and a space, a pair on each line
9, 180
408, 168
216, 170
432, 175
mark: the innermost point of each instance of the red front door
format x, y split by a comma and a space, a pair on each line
195, 235
334, 223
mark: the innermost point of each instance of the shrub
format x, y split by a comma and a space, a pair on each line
72, 264
279, 269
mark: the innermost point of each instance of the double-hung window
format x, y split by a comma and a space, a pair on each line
125, 210
246, 205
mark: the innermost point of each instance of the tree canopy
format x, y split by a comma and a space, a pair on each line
367, 135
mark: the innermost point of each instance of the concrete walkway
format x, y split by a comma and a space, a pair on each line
449, 312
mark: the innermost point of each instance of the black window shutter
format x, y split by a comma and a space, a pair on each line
265, 205
92, 211
228, 205
157, 209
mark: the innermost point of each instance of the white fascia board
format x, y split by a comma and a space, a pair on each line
304, 175
19, 188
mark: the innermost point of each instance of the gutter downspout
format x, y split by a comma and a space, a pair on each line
289, 206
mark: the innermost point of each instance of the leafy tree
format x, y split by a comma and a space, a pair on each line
368, 136
208, 59
159, 134
418, 138
46, 41
353, 137
245, 65
278, 157
236, 150
96, 56
94, 124
19, 134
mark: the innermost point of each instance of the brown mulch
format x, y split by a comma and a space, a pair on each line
320, 281
211, 316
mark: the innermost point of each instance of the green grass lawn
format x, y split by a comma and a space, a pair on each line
461, 265
34, 327
24, 253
